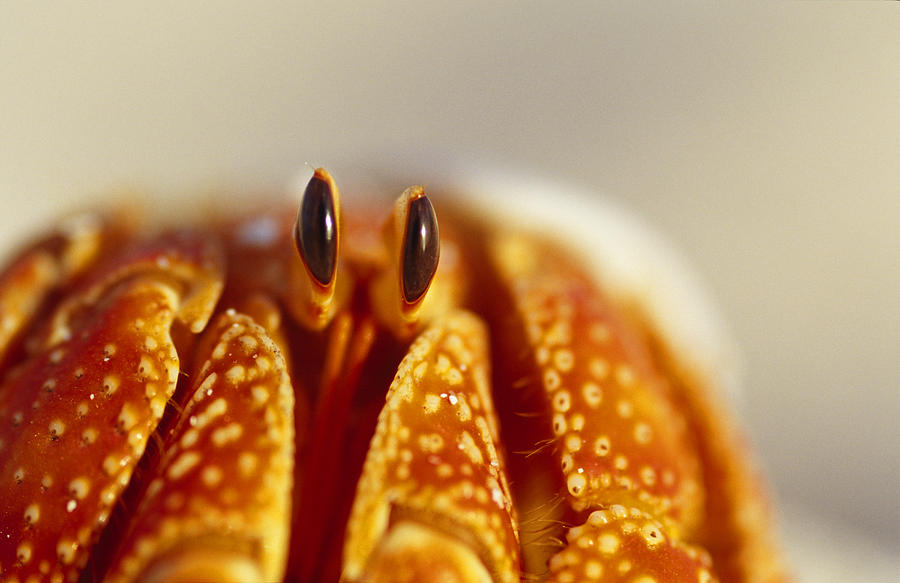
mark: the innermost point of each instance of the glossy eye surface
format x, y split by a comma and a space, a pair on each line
315, 232
421, 248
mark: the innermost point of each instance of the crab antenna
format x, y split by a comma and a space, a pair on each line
414, 246
316, 236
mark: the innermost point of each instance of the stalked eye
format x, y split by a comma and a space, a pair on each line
315, 232
421, 248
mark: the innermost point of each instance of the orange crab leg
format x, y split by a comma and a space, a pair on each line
218, 505
74, 421
76, 415
628, 436
433, 503
618, 436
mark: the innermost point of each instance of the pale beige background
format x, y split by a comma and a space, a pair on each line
763, 140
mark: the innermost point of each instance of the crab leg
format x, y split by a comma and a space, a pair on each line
76, 415
433, 503
73, 424
218, 505
623, 447
618, 436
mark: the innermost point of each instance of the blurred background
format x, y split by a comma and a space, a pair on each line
762, 140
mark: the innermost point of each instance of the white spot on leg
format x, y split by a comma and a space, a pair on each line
249, 343
559, 424
593, 570
648, 476
562, 401
23, 553
576, 484
211, 476
65, 550
564, 359
608, 544
56, 429
599, 368
602, 446
88, 436
260, 395
247, 463
642, 433
110, 384
592, 394
573, 443
577, 422
432, 403
32, 513
229, 433
127, 419
624, 375
236, 374
147, 369
467, 444
79, 487
183, 464
552, 380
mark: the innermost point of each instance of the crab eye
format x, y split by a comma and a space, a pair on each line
421, 248
315, 232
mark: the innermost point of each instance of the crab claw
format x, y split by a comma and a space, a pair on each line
433, 503
74, 421
627, 545
218, 505
76, 415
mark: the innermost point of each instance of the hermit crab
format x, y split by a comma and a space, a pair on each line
320, 396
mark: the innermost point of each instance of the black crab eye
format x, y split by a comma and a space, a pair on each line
315, 232
421, 249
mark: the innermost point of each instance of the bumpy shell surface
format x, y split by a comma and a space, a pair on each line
197, 404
